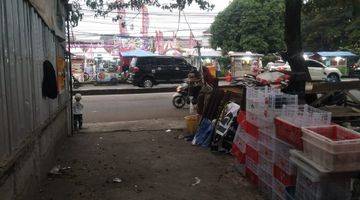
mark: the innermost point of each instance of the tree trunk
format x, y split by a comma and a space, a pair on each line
300, 74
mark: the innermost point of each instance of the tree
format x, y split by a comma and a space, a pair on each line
250, 25
331, 25
300, 74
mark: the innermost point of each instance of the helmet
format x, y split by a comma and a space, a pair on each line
77, 96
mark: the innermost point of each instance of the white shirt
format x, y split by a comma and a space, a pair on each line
77, 108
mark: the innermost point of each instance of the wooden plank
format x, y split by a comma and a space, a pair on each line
325, 87
341, 112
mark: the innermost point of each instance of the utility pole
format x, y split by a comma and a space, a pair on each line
68, 9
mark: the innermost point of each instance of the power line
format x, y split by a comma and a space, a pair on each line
115, 23
167, 31
161, 13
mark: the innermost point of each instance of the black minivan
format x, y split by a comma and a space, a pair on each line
149, 71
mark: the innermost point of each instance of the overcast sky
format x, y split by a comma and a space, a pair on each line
163, 20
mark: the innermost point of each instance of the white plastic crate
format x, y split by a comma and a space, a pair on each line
334, 138
259, 120
265, 189
279, 189
284, 164
276, 196
249, 163
305, 115
256, 98
250, 141
265, 176
311, 184
276, 101
282, 148
266, 152
239, 139
267, 139
338, 162
266, 164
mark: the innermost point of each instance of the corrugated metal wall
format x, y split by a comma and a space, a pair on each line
25, 42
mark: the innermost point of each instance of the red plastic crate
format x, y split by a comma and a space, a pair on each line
253, 178
283, 177
250, 129
335, 132
252, 153
240, 157
241, 117
289, 133
234, 149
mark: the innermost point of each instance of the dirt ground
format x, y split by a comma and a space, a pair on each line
148, 164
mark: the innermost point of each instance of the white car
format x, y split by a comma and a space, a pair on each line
318, 71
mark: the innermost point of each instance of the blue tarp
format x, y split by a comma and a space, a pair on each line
137, 53
204, 134
336, 54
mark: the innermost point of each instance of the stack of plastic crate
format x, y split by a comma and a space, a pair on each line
238, 150
289, 133
283, 170
251, 136
314, 183
292, 118
330, 154
263, 105
333, 147
266, 161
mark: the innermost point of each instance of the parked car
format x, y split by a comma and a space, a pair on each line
274, 65
318, 71
149, 71
107, 76
355, 70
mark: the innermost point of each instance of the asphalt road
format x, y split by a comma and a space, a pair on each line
114, 108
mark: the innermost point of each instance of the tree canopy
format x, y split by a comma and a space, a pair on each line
250, 25
258, 25
331, 25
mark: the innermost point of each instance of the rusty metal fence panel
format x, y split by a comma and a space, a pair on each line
25, 43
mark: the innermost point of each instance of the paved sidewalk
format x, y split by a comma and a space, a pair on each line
139, 164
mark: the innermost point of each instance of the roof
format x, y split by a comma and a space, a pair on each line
336, 54
137, 53
205, 52
242, 54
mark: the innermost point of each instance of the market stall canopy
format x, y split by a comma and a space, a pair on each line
244, 54
336, 54
209, 53
137, 53
173, 52
77, 51
99, 53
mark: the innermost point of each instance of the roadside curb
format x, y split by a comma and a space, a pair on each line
124, 91
174, 124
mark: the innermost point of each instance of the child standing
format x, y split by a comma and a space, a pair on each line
78, 111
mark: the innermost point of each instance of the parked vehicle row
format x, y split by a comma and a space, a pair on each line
149, 71
318, 71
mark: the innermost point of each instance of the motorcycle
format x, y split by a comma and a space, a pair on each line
182, 96
75, 82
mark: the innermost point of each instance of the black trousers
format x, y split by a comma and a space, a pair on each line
78, 119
